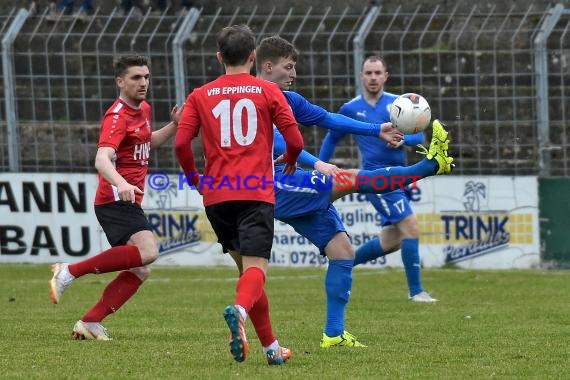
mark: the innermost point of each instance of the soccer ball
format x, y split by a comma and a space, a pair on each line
410, 113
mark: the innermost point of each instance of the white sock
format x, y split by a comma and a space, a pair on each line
242, 312
273, 346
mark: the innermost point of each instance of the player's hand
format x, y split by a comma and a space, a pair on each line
290, 169
391, 135
279, 160
175, 113
327, 169
127, 192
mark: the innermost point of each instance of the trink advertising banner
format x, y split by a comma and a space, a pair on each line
469, 222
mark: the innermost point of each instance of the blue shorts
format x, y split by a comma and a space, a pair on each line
319, 227
302, 193
392, 207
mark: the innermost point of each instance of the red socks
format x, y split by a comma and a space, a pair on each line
249, 288
259, 316
118, 258
251, 296
123, 287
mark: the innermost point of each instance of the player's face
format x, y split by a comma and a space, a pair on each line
134, 84
283, 73
373, 77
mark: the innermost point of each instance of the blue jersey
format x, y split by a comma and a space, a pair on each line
375, 152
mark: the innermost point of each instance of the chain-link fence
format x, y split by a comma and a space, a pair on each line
477, 68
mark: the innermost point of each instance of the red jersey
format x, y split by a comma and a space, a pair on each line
236, 114
128, 131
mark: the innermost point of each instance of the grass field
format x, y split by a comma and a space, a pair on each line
504, 324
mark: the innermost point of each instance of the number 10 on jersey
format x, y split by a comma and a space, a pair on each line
231, 121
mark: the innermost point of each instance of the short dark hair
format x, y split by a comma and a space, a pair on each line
274, 47
235, 44
123, 63
374, 58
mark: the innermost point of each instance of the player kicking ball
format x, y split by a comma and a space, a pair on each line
304, 201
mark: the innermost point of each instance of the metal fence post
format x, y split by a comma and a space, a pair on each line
182, 35
541, 70
9, 91
358, 43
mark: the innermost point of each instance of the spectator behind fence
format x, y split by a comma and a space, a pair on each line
65, 8
127, 5
187, 4
162, 5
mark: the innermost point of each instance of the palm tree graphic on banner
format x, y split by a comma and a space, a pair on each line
472, 195
165, 197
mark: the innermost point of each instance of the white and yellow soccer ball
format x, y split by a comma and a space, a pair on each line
410, 113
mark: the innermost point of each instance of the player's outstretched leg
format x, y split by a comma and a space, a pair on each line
385, 180
438, 148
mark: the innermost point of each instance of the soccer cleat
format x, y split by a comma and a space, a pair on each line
238, 342
438, 148
59, 282
280, 357
89, 330
345, 339
423, 297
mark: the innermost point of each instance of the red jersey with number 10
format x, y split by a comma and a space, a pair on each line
236, 114
127, 130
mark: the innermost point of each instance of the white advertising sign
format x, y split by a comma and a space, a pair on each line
46, 218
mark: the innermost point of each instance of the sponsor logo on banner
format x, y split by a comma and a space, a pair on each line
174, 227
477, 230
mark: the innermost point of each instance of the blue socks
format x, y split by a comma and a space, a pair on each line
368, 251
410, 257
382, 181
338, 283
411, 260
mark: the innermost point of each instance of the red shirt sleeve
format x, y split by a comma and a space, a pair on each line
188, 129
113, 130
287, 125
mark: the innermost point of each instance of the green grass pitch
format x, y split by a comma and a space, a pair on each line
488, 324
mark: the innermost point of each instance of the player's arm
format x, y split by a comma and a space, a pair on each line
310, 114
414, 139
328, 147
113, 131
287, 125
105, 167
159, 137
188, 129
344, 124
